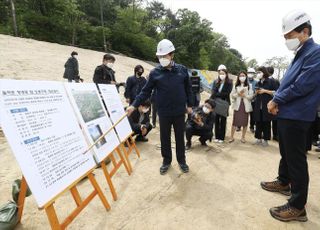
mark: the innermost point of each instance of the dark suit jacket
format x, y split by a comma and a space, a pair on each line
225, 92
263, 99
103, 75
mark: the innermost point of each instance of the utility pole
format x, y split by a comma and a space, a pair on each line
13, 11
102, 24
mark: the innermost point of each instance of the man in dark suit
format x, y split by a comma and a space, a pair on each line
71, 71
104, 74
140, 122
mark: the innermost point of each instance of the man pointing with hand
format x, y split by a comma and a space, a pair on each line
173, 99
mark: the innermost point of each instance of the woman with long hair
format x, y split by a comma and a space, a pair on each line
241, 95
221, 88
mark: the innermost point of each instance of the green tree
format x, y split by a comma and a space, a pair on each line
253, 63
280, 64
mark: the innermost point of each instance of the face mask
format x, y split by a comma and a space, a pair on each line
205, 110
242, 79
110, 65
145, 110
292, 44
259, 76
139, 74
222, 77
164, 62
250, 75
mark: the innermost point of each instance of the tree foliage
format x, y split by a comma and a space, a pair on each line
280, 65
128, 26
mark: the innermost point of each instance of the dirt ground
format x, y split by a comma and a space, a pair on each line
221, 191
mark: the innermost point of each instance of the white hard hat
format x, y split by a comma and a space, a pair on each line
294, 19
221, 67
251, 70
165, 46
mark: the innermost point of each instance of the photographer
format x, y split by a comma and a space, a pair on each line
140, 122
200, 123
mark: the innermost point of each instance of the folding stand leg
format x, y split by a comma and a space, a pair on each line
22, 197
108, 178
126, 155
98, 189
53, 219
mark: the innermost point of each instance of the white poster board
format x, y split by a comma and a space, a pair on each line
115, 107
93, 117
44, 135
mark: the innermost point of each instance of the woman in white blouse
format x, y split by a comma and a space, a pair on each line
241, 96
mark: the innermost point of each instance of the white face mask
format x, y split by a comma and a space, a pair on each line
242, 79
259, 76
145, 110
164, 62
250, 75
205, 110
110, 65
222, 77
293, 44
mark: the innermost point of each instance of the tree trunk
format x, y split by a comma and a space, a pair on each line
102, 24
13, 11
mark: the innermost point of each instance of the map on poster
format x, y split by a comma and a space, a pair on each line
44, 135
93, 117
114, 105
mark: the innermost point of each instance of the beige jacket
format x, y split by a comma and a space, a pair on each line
236, 99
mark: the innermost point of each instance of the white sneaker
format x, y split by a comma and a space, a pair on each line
258, 142
216, 140
265, 143
220, 141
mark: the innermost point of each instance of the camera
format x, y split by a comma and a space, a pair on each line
196, 116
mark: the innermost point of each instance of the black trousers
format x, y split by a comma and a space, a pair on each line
220, 127
178, 123
204, 135
275, 128
252, 121
154, 113
263, 129
293, 166
315, 129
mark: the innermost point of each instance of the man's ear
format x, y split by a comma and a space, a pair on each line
306, 32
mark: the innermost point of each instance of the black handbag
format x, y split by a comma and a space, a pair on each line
222, 107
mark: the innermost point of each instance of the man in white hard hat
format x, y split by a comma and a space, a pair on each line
252, 82
295, 103
173, 99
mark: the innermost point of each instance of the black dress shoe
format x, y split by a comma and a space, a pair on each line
184, 167
164, 168
203, 142
141, 139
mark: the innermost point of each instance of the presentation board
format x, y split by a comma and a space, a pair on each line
93, 117
115, 107
44, 135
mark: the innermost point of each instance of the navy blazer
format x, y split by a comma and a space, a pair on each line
299, 93
173, 90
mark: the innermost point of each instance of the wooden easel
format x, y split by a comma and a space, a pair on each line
81, 204
130, 142
116, 165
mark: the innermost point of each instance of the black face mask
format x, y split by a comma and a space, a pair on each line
139, 73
